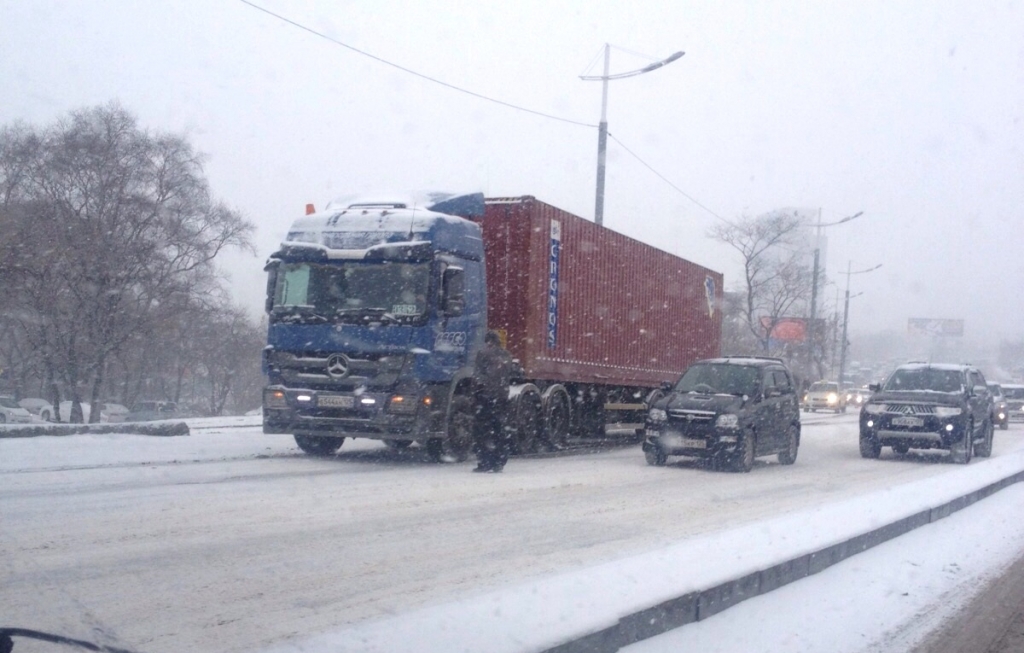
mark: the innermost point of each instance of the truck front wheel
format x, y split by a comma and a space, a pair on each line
456, 446
318, 445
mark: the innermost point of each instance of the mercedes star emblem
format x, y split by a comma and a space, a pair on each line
337, 366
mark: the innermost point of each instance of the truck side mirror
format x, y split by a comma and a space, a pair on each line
453, 294
271, 286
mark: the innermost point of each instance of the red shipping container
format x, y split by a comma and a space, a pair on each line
580, 303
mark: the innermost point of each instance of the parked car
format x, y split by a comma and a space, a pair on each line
1014, 395
731, 410
12, 413
1000, 413
148, 411
110, 412
929, 406
40, 408
824, 395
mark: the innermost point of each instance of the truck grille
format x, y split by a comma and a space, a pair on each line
310, 369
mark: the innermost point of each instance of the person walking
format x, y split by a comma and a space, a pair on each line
492, 375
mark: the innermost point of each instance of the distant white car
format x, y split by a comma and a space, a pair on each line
109, 412
825, 395
113, 412
40, 408
12, 413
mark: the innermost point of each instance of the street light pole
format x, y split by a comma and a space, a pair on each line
814, 281
602, 128
846, 317
602, 139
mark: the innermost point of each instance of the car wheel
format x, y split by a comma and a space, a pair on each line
743, 459
655, 456
869, 447
901, 448
45, 416
984, 450
1004, 425
318, 445
960, 452
788, 455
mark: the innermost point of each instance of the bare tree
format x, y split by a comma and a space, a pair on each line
776, 280
107, 229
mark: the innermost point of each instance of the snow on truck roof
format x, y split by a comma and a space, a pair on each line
353, 226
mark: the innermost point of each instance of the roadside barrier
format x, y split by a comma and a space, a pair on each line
695, 606
163, 429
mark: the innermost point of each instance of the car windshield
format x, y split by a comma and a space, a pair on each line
719, 379
290, 236
925, 379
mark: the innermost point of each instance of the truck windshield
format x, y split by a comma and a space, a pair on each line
351, 290
925, 379
719, 379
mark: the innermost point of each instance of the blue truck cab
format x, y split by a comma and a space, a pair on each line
376, 309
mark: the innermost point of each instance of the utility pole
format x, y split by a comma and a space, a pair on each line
602, 139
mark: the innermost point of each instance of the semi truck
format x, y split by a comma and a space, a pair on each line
378, 305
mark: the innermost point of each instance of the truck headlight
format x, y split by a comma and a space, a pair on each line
275, 399
948, 411
874, 409
728, 421
402, 404
657, 415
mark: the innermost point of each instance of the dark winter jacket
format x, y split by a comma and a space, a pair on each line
492, 375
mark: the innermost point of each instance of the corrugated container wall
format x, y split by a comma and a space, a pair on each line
582, 303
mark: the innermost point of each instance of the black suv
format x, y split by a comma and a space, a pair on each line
728, 409
929, 406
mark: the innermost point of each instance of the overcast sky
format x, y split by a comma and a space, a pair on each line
908, 111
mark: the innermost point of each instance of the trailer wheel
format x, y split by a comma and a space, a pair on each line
557, 416
528, 422
456, 446
318, 445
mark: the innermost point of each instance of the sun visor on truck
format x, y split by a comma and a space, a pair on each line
465, 206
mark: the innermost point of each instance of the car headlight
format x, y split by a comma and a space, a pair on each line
832, 398
874, 409
657, 415
728, 421
948, 411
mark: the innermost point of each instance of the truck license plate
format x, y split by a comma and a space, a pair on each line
907, 421
335, 401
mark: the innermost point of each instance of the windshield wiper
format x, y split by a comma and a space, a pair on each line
301, 316
7, 641
381, 314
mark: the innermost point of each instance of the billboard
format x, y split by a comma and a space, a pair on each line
923, 326
787, 329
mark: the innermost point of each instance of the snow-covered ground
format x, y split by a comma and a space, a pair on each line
231, 540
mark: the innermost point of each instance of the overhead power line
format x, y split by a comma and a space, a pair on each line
413, 72
666, 180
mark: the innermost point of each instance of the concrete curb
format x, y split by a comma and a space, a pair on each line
695, 606
163, 429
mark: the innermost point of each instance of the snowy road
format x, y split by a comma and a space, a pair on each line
230, 540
